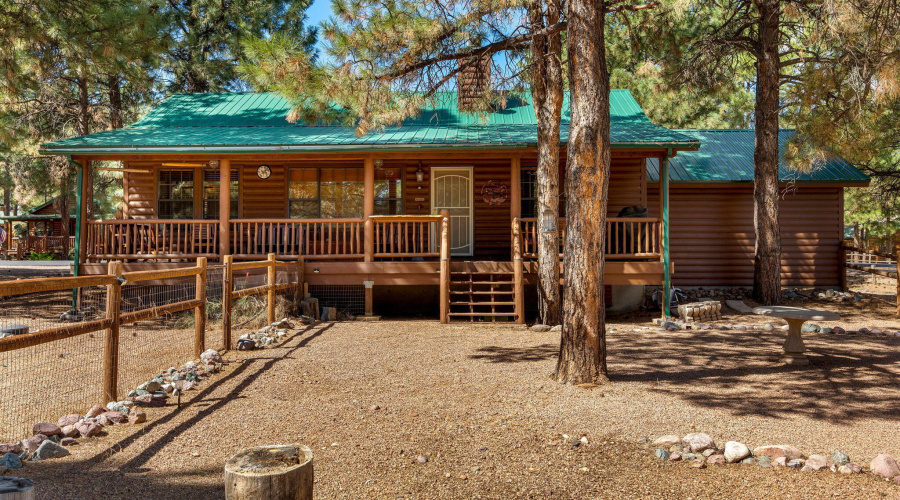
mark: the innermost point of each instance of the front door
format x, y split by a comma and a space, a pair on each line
451, 189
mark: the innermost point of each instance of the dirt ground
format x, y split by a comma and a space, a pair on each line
476, 401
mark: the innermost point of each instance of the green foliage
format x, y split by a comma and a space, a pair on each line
42, 256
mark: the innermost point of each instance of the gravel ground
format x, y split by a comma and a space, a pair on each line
477, 402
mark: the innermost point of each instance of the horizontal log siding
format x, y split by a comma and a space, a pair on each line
263, 198
712, 235
140, 192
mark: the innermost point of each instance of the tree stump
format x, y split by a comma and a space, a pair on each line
16, 488
310, 307
278, 472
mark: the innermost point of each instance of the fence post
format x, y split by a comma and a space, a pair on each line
518, 278
111, 346
270, 282
445, 266
227, 290
842, 262
200, 310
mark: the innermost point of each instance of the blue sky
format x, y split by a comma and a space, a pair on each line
319, 11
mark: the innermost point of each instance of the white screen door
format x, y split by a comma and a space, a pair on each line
451, 189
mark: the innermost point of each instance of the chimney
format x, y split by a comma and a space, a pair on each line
472, 82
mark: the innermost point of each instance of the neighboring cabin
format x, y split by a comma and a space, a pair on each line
214, 174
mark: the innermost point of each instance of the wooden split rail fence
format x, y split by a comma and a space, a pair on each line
890, 269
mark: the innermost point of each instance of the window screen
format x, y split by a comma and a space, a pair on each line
176, 194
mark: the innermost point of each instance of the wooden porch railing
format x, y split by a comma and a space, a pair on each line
312, 238
404, 236
152, 239
628, 238
40, 244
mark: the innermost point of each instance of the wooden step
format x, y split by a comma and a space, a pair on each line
482, 303
481, 292
463, 314
482, 282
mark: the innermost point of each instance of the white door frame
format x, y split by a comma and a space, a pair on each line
471, 174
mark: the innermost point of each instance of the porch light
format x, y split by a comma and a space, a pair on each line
549, 221
420, 174
378, 163
316, 270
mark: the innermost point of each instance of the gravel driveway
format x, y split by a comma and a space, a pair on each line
476, 401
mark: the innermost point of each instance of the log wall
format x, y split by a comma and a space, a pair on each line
712, 235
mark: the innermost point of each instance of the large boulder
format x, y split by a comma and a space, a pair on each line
778, 451
698, 442
47, 450
884, 465
210, 357
667, 440
31, 444
88, 428
94, 411
10, 461
10, 448
69, 419
735, 451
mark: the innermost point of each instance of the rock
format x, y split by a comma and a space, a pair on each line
670, 326
146, 399
556, 329
88, 428
735, 451
884, 465
779, 462
675, 456
810, 328
827, 330
763, 461
48, 450
839, 331
10, 448
864, 330
46, 428
796, 463
69, 441
700, 463
709, 452
69, 431
748, 461
716, 459
94, 411
211, 357
850, 468
137, 417
10, 461
777, 451
245, 345
31, 444
687, 457
104, 421
662, 454
69, 419
539, 328
739, 306
120, 406
815, 462
667, 440
840, 458
698, 442
116, 417
422, 459
768, 327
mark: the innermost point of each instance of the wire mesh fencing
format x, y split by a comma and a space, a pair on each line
348, 300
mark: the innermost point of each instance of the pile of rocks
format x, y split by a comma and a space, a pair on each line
271, 334
700, 451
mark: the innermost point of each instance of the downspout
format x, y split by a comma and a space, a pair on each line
79, 185
664, 209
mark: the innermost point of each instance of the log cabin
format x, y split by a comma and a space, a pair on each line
437, 213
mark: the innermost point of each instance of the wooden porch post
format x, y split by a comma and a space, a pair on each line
445, 266
664, 216
515, 195
224, 206
82, 214
369, 208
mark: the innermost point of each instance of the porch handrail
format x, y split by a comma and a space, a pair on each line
151, 239
627, 237
405, 236
312, 238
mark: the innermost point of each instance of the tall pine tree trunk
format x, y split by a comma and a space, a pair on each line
115, 101
582, 351
546, 90
767, 261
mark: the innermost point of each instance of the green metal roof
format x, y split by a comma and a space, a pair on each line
255, 122
727, 156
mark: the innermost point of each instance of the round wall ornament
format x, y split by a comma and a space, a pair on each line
494, 192
263, 171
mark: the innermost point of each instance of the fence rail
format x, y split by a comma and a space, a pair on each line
861, 259
152, 239
41, 244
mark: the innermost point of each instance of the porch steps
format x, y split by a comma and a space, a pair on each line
482, 296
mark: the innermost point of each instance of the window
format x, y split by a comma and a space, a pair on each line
529, 193
388, 191
176, 194
211, 194
326, 193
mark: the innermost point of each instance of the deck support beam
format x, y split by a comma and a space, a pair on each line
224, 207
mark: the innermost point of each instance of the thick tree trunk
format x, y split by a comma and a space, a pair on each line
546, 90
767, 260
582, 352
115, 102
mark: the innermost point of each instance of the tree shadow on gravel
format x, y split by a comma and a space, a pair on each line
496, 354
242, 372
849, 377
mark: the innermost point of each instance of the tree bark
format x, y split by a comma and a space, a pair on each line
115, 102
546, 92
582, 352
767, 260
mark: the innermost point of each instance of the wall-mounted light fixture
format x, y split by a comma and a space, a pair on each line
420, 174
316, 271
549, 221
379, 163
